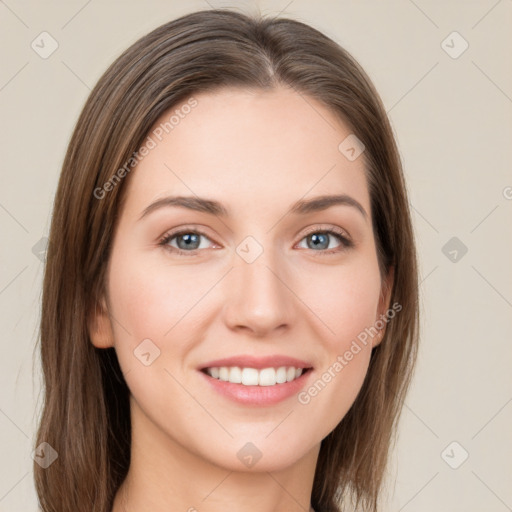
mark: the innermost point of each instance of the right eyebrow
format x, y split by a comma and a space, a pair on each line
190, 202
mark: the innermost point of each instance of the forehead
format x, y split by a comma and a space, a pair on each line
243, 147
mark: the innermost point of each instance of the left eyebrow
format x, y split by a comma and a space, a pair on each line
320, 203
301, 207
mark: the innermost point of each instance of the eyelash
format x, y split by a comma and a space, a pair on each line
340, 235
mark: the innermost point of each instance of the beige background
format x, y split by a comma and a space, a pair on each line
452, 118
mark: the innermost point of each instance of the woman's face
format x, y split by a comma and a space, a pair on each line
244, 269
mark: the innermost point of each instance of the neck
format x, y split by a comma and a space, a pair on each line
165, 476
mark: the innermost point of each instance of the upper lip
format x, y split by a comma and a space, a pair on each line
246, 361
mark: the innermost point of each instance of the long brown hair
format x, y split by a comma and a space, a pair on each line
85, 415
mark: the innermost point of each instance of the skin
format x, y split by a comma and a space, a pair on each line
257, 152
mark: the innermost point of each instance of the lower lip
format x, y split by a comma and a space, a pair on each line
258, 395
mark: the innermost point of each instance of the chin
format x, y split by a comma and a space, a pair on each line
259, 455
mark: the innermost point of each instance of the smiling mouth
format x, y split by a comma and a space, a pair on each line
256, 377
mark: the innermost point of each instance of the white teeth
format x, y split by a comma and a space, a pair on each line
254, 377
249, 377
235, 375
281, 375
224, 373
267, 377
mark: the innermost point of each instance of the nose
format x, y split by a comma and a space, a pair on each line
259, 299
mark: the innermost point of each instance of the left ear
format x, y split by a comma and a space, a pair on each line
384, 300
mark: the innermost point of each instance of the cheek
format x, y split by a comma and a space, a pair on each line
150, 300
345, 299
163, 304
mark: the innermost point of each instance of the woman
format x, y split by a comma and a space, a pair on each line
230, 306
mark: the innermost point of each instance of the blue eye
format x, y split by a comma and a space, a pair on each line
319, 241
187, 242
